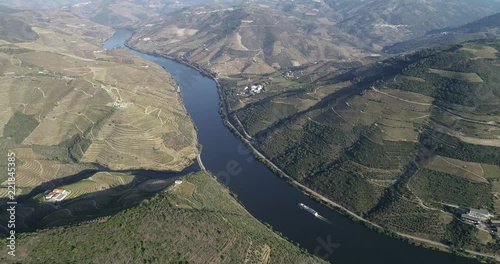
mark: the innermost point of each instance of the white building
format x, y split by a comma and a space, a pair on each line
56, 195
253, 89
482, 214
256, 89
476, 216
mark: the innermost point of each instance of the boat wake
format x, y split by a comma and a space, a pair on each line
323, 219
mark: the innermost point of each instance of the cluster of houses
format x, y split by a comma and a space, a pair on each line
82, 4
119, 104
177, 182
477, 216
213, 11
253, 89
289, 74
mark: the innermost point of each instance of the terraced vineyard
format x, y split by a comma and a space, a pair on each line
69, 104
392, 142
98, 182
35, 168
106, 107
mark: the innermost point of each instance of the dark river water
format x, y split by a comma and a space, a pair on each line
268, 197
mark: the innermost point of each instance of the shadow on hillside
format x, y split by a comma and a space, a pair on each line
362, 79
32, 215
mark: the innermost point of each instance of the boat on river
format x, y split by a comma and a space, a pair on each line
308, 209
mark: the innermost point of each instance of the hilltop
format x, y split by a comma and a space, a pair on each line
113, 13
261, 37
250, 38
384, 22
14, 29
194, 221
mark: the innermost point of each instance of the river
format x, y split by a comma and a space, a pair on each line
268, 197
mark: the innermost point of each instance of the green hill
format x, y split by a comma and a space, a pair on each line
196, 221
393, 141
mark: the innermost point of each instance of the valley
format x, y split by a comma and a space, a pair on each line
378, 109
362, 133
97, 133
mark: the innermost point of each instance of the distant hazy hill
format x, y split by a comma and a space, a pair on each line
261, 36
316, 30
488, 27
38, 3
7, 10
253, 38
115, 13
168, 6
388, 21
14, 28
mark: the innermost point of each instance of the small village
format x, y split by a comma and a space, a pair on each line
252, 90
